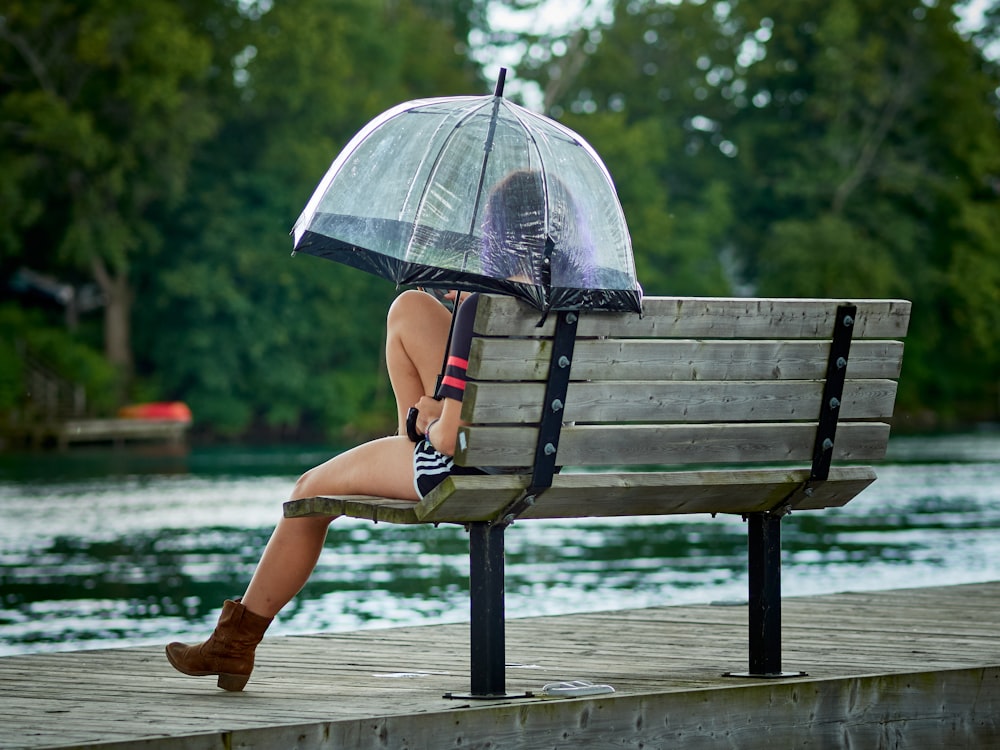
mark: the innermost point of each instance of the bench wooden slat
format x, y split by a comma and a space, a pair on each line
466, 499
670, 445
369, 508
618, 359
707, 317
646, 401
660, 493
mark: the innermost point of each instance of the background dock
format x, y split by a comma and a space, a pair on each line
62, 434
905, 668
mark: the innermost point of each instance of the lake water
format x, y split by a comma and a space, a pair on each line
102, 547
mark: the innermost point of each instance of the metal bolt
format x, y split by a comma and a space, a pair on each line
549, 449
834, 402
571, 318
809, 491
557, 405
508, 519
848, 321
841, 363
564, 361
827, 444
529, 500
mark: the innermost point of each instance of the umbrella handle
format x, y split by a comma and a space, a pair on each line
411, 425
412, 412
447, 347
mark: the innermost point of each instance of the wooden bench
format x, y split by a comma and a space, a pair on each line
743, 406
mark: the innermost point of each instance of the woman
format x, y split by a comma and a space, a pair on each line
417, 332
514, 237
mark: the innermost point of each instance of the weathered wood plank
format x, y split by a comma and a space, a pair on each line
463, 499
709, 401
648, 493
907, 668
387, 510
683, 359
314, 506
710, 317
669, 445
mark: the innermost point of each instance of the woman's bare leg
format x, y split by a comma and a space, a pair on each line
381, 467
416, 335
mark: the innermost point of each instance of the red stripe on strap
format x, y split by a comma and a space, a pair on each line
453, 382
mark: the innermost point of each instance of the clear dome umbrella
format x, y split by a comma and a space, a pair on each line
478, 194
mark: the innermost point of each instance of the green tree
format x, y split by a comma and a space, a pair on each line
634, 88
846, 148
101, 107
248, 336
881, 180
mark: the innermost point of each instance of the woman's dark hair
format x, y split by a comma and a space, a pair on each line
522, 230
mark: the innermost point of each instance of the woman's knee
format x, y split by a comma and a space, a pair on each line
305, 486
407, 308
334, 477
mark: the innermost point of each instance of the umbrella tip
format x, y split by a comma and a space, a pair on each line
500, 80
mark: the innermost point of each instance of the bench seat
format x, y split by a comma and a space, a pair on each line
465, 499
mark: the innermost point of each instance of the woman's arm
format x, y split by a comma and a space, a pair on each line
443, 432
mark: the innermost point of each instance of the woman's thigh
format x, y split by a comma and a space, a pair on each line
417, 333
382, 467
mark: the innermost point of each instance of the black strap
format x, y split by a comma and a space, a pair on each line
550, 426
833, 391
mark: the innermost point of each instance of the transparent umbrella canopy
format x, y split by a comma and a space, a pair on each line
479, 194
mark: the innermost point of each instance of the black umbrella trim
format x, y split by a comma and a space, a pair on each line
406, 273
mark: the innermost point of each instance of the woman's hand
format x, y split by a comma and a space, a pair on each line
429, 409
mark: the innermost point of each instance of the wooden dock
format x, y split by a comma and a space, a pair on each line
62, 434
913, 668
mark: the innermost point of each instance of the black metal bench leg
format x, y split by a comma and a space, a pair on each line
764, 552
486, 592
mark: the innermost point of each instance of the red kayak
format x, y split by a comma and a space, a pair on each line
174, 411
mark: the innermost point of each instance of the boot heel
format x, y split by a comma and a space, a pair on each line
233, 682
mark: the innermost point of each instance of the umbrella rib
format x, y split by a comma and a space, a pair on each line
545, 185
437, 160
487, 149
352, 146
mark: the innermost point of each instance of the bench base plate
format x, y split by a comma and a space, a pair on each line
473, 697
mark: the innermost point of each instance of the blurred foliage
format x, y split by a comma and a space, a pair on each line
102, 105
847, 149
27, 334
163, 149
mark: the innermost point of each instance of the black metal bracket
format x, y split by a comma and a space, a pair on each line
550, 425
833, 391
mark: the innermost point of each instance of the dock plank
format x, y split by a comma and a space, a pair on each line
923, 664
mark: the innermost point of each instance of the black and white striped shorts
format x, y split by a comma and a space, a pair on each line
431, 467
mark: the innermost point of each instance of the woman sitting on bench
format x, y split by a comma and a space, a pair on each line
417, 330
417, 334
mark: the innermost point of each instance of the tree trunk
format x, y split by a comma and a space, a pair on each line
117, 321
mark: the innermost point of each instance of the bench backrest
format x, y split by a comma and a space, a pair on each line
692, 381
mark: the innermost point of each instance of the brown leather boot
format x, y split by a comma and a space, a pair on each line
228, 652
